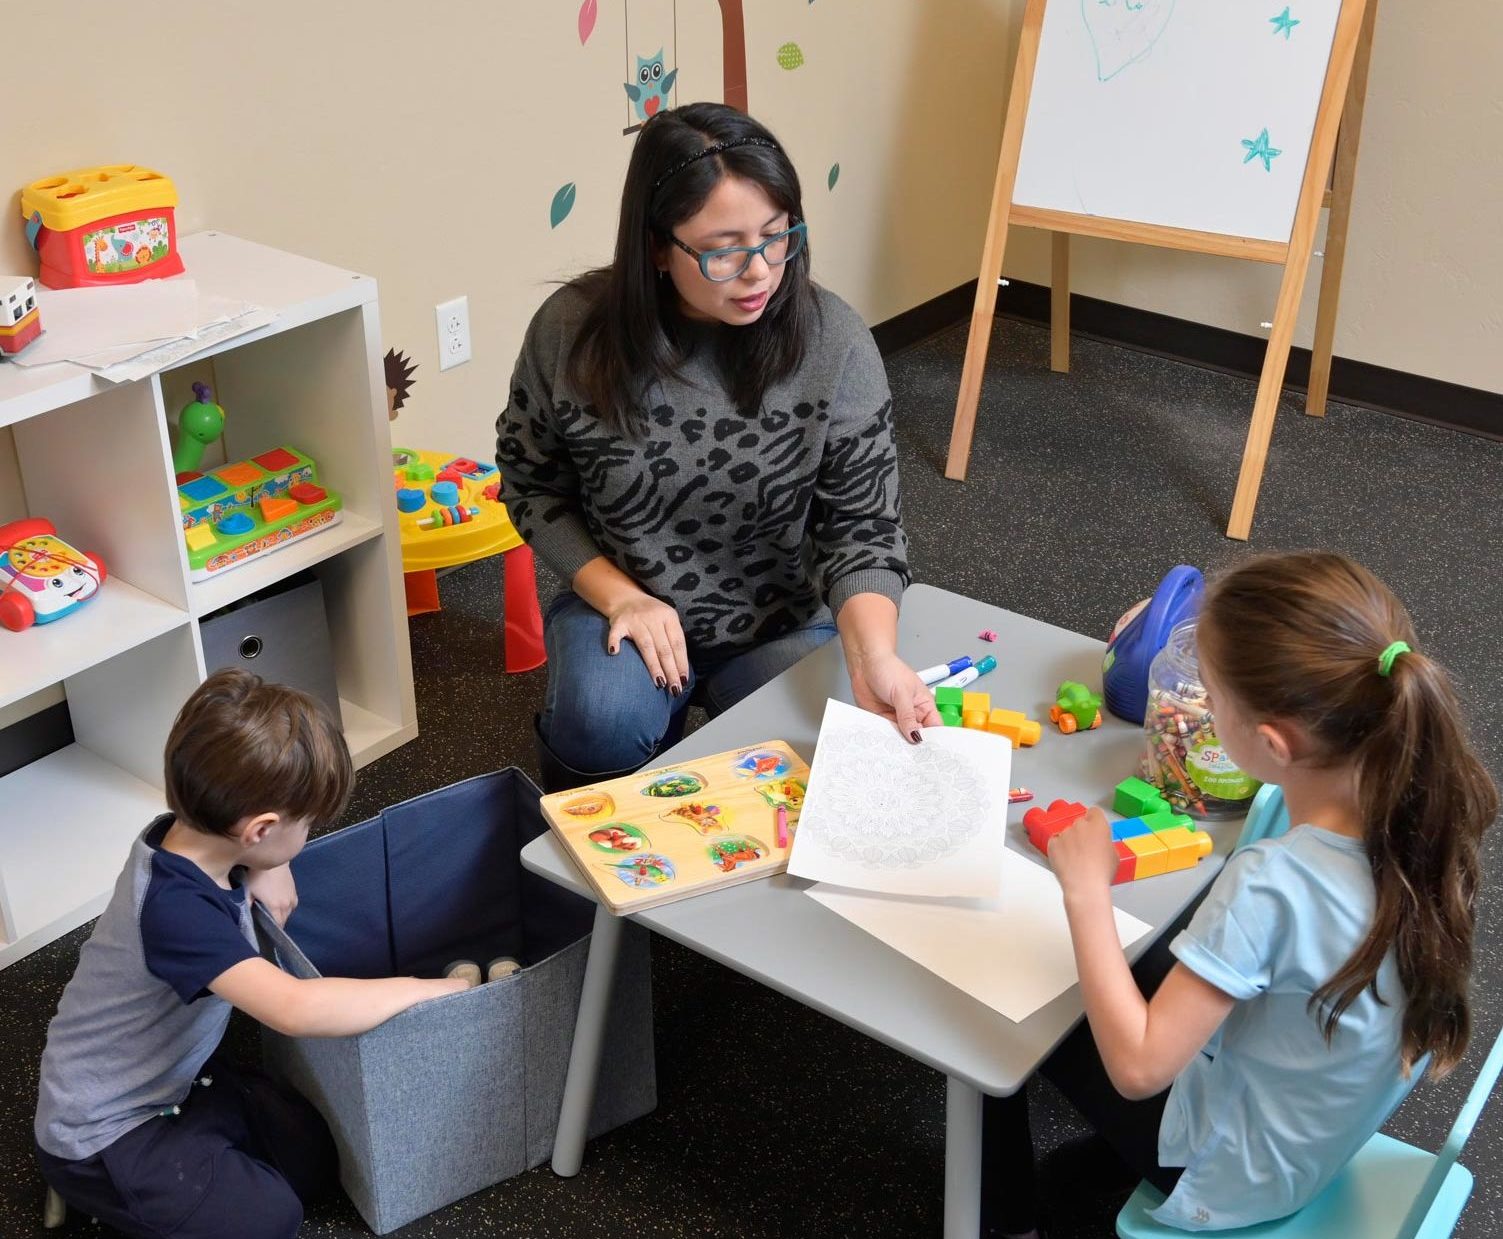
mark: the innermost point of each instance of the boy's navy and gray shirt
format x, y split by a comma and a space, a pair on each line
748, 522
137, 1021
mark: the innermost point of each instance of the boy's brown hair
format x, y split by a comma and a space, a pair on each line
241, 746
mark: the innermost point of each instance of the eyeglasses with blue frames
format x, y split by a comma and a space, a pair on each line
722, 265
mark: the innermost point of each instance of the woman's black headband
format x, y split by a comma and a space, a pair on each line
713, 149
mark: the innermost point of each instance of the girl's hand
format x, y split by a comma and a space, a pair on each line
273, 889
654, 628
1082, 855
886, 685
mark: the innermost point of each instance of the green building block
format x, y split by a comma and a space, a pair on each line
944, 697
1137, 798
1167, 820
951, 716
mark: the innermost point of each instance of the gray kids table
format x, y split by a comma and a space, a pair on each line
771, 932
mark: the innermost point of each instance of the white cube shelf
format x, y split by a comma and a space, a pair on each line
96, 460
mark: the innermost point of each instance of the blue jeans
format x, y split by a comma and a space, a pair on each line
603, 714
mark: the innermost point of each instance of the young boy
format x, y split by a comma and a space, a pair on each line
131, 1128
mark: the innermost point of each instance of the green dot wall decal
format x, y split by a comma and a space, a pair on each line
790, 56
834, 173
563, 203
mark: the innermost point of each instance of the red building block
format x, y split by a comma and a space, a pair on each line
1043, 824
1127, 863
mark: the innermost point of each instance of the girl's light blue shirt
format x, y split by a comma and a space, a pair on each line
1267, 1114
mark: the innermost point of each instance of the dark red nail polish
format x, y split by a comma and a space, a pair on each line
916, 736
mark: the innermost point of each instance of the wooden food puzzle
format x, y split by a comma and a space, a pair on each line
241, 510
659, 835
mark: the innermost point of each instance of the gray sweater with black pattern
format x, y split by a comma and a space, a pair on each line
749, 526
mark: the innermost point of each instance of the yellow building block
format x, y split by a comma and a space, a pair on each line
1186, 847
1013, 724
199, 537
976, 701
1153, 855
974, 719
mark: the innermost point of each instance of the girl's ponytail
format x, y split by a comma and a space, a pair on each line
1317, 639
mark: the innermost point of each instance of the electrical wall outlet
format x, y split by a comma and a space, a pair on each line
453, 332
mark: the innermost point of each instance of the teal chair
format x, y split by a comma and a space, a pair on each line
1389, 1190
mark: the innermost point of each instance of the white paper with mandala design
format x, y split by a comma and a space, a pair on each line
884, 815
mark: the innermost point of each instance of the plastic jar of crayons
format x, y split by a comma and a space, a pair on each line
1182, 756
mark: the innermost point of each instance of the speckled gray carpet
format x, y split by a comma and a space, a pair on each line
1084, 489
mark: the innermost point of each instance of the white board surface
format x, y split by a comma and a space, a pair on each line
1193, 114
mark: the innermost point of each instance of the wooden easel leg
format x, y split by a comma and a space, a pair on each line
1059, 305
1270, 387
977, 344
1343, 180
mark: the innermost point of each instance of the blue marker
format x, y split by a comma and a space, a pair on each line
933, 675
970, 674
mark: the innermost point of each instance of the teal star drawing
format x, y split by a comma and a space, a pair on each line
1283, 24
1259, 149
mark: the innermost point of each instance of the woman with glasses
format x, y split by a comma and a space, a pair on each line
698, 441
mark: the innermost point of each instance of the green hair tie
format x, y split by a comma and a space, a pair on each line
1390, 656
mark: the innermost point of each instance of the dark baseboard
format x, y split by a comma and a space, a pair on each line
1467, 409
32, 738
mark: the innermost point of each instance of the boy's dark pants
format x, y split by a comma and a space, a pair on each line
237, 1163
1008, 1199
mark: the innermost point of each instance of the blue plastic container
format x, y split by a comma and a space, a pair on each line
1124, 670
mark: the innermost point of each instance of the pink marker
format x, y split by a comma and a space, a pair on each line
782, 827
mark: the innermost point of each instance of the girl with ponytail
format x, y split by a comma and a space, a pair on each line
1328, 968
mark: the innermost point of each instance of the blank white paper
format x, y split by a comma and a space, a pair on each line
1012, 953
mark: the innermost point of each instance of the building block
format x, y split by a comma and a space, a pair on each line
1043, 824
971, 702
1137, 798
950, 716
1015, 726
1127, 864
1129, 828
199, 538
974, 719
950, 697
274, 507
1186, 847
1153, 856
1167, 820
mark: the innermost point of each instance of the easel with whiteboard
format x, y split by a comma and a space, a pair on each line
1123, 124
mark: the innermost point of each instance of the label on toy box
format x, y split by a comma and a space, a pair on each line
124, 247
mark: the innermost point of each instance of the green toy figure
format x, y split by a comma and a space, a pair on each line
1075, 708
199, 424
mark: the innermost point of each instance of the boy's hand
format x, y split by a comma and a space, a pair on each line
274, 890
1082, 855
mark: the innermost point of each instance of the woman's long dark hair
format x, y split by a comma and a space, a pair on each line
633, 332
1298, 637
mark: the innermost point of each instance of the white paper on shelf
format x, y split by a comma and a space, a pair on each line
881, 814
173, 351
77, 322
1012, 953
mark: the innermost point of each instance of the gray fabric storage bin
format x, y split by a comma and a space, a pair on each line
281, 633
461, 1092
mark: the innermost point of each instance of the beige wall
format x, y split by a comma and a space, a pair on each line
423, 144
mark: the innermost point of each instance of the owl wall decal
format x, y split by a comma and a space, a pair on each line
650, 92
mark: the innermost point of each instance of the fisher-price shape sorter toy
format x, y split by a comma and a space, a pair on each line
20, 320
106, 225
1146, 846
42, 578
251, 507
959, 708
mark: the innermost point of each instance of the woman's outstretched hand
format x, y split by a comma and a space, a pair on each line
886, 685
